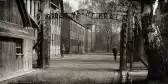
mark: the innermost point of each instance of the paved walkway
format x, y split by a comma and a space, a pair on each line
93, 68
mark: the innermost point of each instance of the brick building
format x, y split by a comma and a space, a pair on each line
88, 40
72, 35
92, 37
48, 35
55, 29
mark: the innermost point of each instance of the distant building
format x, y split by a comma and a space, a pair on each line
92, 28
67, 7
90, 34
88, 39
72, 35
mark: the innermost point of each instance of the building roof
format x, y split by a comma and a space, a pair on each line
26, 18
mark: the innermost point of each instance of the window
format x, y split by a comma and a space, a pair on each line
58, 40
54, 23
58, 21
19, 47
71, 26
52, 36
30, 7
55, 39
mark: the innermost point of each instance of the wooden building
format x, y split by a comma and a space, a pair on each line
93, 37
16, 37
72, 35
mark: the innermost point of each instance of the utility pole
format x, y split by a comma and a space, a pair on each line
39, 37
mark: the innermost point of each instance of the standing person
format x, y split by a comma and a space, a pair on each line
62, 50
78, 46
115, 52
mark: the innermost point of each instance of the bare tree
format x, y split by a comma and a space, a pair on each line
154, 42
105, 6
99, 35
107, 32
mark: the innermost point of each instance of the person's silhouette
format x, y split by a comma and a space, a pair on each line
62, 50
115, 52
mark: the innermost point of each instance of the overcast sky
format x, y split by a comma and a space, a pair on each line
74, 4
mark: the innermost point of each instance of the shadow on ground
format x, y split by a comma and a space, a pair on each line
61, 80
46, 79
84, 69
86, 81
139, 82
83, 61
94, 68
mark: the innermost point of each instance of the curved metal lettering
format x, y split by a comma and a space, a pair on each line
89, 14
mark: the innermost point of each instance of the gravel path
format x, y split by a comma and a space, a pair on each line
95, 68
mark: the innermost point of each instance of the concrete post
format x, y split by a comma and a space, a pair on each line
130, 37
123, 44
43, 58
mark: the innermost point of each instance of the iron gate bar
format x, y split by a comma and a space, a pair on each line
137, 56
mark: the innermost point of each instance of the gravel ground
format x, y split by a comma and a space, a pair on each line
94, 68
